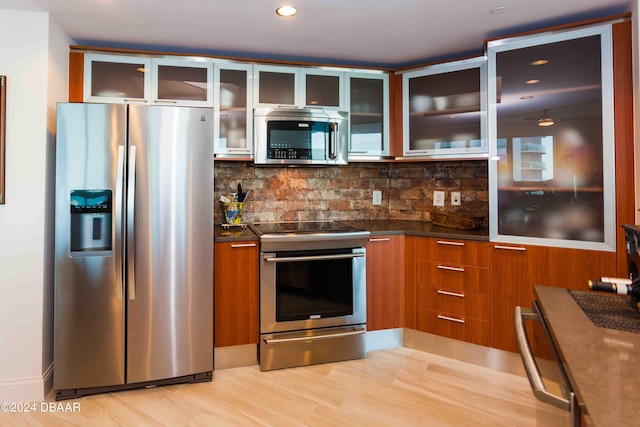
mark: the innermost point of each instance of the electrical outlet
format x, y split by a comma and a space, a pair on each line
438, 198
377, 197
455, 198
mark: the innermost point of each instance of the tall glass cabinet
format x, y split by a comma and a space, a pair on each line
552, 162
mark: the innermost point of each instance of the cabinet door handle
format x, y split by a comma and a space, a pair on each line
510, 248
452, 294
142, 101
450, 319
444, 267
164, 101
380, 239
444, 242
243, 245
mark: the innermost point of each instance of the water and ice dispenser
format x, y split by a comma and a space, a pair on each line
91, 219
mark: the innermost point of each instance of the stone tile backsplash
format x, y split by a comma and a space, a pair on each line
346, 192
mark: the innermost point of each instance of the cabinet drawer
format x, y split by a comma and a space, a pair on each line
456, 327
454, 251
453, 276
458, 303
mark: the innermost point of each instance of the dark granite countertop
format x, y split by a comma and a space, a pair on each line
602, 364
233, 234
376, 227
418, 228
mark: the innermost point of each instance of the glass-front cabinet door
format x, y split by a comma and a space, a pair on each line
277, 86
551, 167
182, 82
444, 110
117, 79
368, 102
234, 111
322, 88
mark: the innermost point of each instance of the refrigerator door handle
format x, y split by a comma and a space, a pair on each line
118, 234
131, 248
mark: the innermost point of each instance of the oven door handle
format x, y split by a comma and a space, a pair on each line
314, 258
529, 362
316, 337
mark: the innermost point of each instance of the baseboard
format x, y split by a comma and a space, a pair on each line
235, 356
32, 389
487, 357
383, 339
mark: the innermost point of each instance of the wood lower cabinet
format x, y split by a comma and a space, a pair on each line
452, 288
385, 282
515, 269
236, 293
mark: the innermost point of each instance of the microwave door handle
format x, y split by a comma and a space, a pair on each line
333, 141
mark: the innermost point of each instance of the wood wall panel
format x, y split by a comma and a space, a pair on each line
623, 106
76, 76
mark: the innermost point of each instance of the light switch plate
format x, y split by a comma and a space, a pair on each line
455, 198
438, 198
377, 197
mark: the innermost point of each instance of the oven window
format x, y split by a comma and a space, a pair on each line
314, 289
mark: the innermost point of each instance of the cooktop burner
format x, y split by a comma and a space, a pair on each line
303, 227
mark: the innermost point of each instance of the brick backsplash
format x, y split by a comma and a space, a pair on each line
346, 192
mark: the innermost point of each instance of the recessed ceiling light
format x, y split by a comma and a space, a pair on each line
498, 10
286, 11
526, 97
540, 62
453, 116
532, 81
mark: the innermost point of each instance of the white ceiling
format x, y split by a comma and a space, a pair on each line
358, 32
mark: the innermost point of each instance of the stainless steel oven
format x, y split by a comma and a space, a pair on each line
312, 293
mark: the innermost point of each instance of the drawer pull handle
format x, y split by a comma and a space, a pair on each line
444, 267
452, 294
451, 319
510, 248
380, 239
444, 242
244, 245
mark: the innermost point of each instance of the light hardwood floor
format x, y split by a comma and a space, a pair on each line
395, 387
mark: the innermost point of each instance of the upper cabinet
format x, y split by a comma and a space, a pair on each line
131, 79
117, 79
233, 97
277, 86
551, 132
444, 110
368, 103
182, 82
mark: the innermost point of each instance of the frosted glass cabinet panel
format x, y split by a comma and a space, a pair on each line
322, 89
444, 109
233, 97
551, 136
368, 114
117, 79
277, 86
182, 82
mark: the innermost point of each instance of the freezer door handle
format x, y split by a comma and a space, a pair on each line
118, 234
131, 218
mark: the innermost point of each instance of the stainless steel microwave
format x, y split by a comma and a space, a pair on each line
301, 136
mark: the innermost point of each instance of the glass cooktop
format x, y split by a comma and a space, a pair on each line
303, 227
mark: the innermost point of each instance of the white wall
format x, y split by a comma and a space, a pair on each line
25, 231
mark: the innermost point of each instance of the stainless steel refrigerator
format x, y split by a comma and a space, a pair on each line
133, 247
